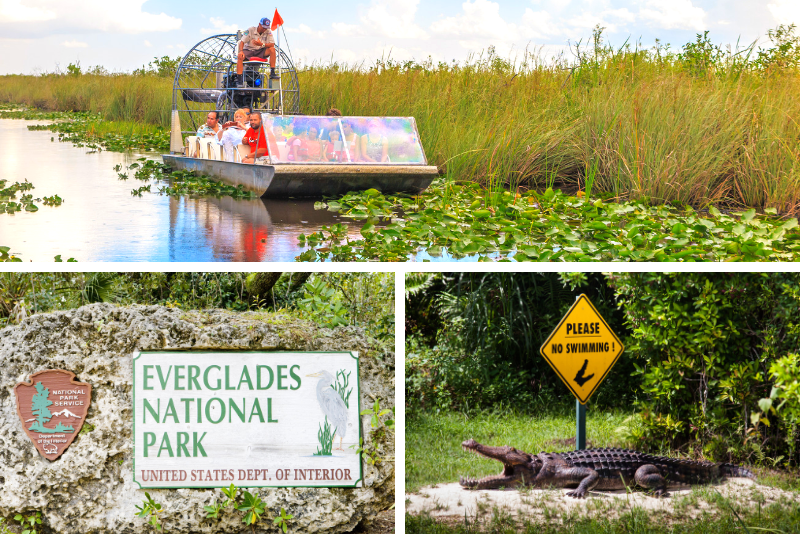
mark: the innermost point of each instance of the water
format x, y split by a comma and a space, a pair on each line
100, 220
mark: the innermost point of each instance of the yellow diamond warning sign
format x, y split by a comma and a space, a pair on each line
582, 349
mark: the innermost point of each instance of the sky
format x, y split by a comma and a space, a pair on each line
46, 35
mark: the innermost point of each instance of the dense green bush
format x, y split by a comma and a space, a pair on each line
329, 299
703, 345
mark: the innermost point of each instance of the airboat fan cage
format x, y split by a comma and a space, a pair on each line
206, 81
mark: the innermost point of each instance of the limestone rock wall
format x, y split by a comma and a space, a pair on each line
90, 488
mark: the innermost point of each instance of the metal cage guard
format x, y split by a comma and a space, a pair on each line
204, 81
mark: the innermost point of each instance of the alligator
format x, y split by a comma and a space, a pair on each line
595, 469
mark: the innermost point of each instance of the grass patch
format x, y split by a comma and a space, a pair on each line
776, 518
433, 441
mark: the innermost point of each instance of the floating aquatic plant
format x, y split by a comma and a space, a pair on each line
178, 182
464, 220
8, 198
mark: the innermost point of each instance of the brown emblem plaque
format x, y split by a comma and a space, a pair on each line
52, 408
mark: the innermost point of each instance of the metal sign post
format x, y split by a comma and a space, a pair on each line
580, 426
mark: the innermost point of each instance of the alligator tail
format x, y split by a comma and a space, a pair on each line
730, 470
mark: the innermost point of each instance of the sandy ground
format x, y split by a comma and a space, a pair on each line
451, 502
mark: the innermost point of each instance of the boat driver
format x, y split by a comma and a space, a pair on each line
257, 42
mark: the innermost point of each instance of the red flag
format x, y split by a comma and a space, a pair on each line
276, 20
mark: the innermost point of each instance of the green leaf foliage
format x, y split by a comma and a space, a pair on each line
549, 226
705, 346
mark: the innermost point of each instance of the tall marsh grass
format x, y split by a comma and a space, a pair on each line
117, 97
702, 126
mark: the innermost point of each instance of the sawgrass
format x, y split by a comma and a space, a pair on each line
122, 98
433, 441
628, 122
627, 125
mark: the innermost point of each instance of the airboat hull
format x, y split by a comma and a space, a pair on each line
283, 181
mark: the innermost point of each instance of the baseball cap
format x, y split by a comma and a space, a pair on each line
264, 22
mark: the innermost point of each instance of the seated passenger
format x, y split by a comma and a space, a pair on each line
297, 144
211, 128
233, 132
256, 136
313, 145
374, 145
257, 42
403, 144
328, 124
333, 147
351, 140
277, 130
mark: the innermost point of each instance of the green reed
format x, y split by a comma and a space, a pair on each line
701, 127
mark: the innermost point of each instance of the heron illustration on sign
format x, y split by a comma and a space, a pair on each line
332, 404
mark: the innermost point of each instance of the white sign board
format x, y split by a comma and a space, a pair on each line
209, 419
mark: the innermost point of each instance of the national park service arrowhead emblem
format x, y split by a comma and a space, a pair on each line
52, 408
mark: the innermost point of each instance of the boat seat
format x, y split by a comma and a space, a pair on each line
209, 149
191, 146
240, 152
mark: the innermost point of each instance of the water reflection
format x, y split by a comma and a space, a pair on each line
101, 221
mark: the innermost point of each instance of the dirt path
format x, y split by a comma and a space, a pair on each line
451, 502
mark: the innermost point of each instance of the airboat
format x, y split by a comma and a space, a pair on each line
308, 156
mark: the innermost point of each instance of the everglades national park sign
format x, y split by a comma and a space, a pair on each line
254, 419
582, 349
52, 408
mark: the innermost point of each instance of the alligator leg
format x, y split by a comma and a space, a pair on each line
587, 477
649, 477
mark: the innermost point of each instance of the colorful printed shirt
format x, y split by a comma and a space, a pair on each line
206, 131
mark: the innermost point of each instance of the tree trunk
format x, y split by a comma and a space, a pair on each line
298, 279
259, 284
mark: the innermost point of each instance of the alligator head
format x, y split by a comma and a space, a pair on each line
518, 467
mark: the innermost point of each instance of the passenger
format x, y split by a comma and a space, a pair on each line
256, 136
403, 144
297, 144
257, 42
351, 139
333, 147
277, 130
233, 132
374, 145
211, 127
314, 148
329, 124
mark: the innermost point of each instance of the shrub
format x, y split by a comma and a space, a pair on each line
703, 345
